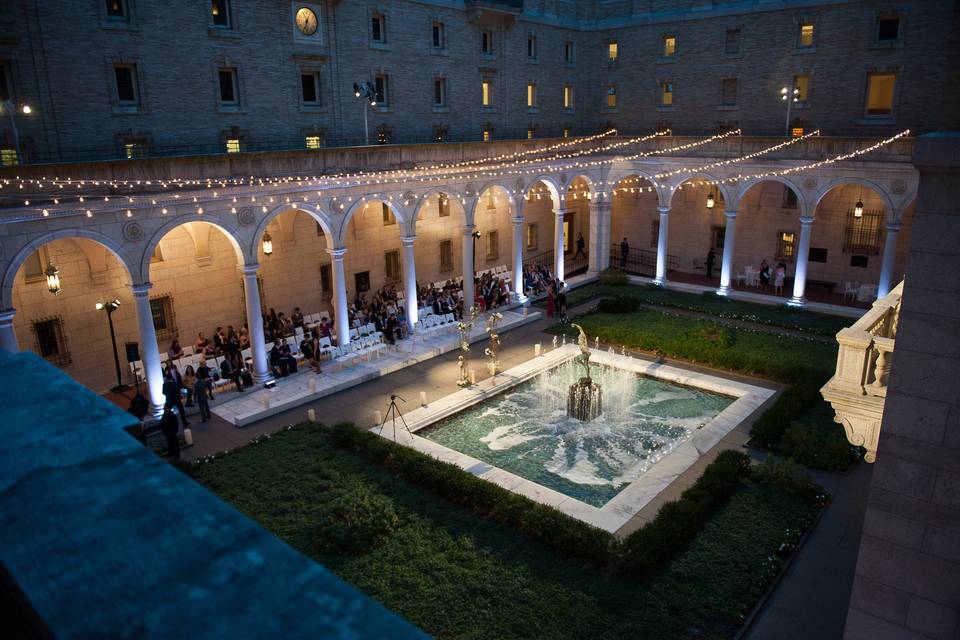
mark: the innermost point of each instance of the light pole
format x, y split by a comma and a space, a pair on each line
476, 235
367, 91
110, 307
790, 96
11, 110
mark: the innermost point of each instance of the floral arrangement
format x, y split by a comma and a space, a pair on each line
491, 351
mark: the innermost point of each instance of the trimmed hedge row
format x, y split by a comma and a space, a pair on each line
618, 305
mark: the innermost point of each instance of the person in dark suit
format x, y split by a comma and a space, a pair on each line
231, 371
624, 252
172, 383
711, 260
168, 426
580, 244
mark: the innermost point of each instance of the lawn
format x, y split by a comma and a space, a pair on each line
457, 575
710, 303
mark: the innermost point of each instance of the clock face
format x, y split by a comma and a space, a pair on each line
306, 21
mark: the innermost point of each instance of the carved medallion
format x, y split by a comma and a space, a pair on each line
899, 186
132, 232
810, 184
246, 217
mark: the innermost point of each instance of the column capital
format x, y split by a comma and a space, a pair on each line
337, 254
407, 241
561, 211
468, 229
251, 269
6, 316
893, 227
664, 210
730, 213
606, 203
142, 289
806, 220
517, 221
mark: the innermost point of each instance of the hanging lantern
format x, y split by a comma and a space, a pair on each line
53, 279
267, 244
710, 201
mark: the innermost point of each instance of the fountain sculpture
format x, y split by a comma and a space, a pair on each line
585, 398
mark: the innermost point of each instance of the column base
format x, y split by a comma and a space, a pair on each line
155, 413
723, 290
795, 301
660, 282
266, 380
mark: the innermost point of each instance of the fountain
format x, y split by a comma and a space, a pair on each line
585, 398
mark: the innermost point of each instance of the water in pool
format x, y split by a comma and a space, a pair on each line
526, 430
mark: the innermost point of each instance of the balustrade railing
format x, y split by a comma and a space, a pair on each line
859, 386
640, 262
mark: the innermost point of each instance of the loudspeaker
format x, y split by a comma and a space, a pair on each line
133, 351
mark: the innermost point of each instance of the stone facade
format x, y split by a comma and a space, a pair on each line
59, 57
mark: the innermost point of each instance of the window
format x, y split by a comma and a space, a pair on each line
161, 308
888, 29
801, 85
443, 205
486, 93
731, 42
439, 92
785, 242
664, 127
531, 47
233, 145
378, 31
384, 134
117, 9
717, 235
669, 48
391, 265
863, 235
612, 52
132, 150
438, 35
654, 234
789, 198
310, 85
313, 142
568, 97
817, 254
6, 92
531, 133
446, 255
388, 218
493, 245
728, 96
33, 269
319, 230
666, 94
566, 132
220, 13
440, 133
326, 281
51, 342
381, 85
228, 87
859, 261
880, 93
611, 96
796, 132
805, 38
125, 76
531, 236
486, 42
531, 95
487, 134
568, 52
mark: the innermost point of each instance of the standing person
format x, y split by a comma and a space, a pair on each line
711, 260
168, 426
189, 381
624, 252
562, 300
200, 391
778, 277
580, 245
171, 392
764, 274
551, 298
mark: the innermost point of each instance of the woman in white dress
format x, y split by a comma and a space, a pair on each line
778, 277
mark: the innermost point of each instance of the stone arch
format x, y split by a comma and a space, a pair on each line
802, 201
143, 270
398, 212
727, 191
17, 260
622, 171
873, 186
452, 195
314, 212
515, 211
592, 181
553, 187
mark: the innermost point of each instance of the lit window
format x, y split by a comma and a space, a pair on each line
531, 95
493, 245
729, 92
566, 132
785, 242
487, 134
806, 35
233, 145
888, 29
732, 41
116, 9
796, 132
125, 76
134, 150
8, 157
801, 85
612, 51
568, 97
439, 92
531, 236
381, 85
611, 96
438, 39
669, 46
532, 47
666, 94
313, 142
880, 93
378, 32
310, 85
228, 87
446, 255
220, 13
487, 88
486, 42
531, 133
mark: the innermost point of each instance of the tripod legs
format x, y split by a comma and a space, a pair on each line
393, 412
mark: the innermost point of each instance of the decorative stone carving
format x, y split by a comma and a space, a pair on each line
470, 189
810, 183
133, 232
246, 217
563, 179
519, 185
899, 186
409, 196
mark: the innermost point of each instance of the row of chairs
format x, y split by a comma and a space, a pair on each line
435, 323
361, 347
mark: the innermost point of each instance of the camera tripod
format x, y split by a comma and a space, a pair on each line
393, 412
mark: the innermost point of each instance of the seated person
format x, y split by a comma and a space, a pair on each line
297, 318
244, 339
200, 344
175, 351
281, 361
230, 370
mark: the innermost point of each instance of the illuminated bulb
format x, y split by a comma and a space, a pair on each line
129, 213
858, 209
46, 213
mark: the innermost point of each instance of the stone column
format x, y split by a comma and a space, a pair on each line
468, 230
599, 236
410, 279
726, 272
889, 255
341, 317
558, 242
258, 347
661, 278
8, 337
518, 260
803, 254
149, 351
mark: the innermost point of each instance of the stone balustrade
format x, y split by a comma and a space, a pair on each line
859, 387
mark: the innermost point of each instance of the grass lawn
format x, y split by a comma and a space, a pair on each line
457, 575
773, 315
